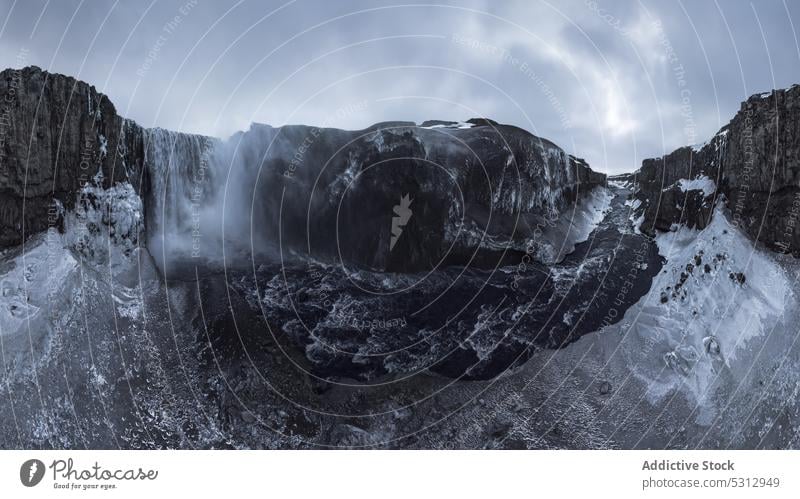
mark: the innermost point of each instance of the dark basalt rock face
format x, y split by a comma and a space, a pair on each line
664, 203
474, 194
57, 134
755, 163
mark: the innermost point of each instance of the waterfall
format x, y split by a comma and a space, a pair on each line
181, 169
202, 198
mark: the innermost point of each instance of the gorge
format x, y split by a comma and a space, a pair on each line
450, 283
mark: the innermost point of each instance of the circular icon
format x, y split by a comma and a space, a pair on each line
31, 472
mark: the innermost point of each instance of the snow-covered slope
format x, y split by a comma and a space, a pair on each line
42, 283
718, 292
717, 365
30, 286
714, 304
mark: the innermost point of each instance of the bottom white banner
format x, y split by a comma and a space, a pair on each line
391, 474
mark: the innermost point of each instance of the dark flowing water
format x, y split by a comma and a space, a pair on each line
453, 321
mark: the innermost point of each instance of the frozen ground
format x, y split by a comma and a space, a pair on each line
99, 353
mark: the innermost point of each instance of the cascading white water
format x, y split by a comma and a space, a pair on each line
199, 204
181, 170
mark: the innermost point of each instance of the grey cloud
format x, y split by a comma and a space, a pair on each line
593, 76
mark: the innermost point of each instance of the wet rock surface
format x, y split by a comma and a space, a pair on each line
461, 323
404, 198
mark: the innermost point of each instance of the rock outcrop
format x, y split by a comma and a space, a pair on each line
754, 162
56, 135
474, 193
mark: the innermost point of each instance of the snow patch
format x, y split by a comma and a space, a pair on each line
636, 221
620, 184
458, 126
103, 145
699, 146
701, 183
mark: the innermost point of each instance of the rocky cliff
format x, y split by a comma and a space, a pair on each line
752, 164
58, 135
395, 196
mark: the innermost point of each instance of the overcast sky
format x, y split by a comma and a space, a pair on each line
614, 82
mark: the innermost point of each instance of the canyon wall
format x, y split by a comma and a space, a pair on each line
754, 162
